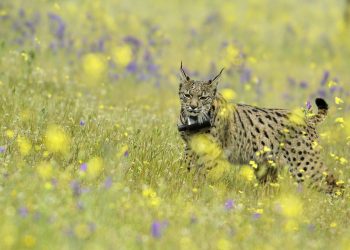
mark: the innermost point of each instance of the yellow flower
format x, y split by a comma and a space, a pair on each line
247, 173
94, 65
10, 133
94, 167
204, 145
339, 120
223, 244
57, 140
228, 94
291, 206
219, 170
122, 55
297, 117
45, 170
24, 145
29, 241
338, 100
333, 225
343, 161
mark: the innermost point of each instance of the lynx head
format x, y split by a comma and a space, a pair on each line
197, 97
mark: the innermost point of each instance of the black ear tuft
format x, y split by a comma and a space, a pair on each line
321, 103
187, 78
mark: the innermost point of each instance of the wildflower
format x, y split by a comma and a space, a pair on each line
108, 182
308, 105
297, 117
29, 240
23, 211
203, 145
223, 244
123, 151
253, 164
94, 65
10, 133
45, 170
83, 167
94, 167
256, 215
57, 140
228, 94
157, 228
247, 173
75, 186
82, 123
219, 170
338, 100
343, 161
24, 145
339, 120
132, 67
2, 149
229, 204
123, 55
291, 206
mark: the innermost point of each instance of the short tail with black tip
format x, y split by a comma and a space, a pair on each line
322, 112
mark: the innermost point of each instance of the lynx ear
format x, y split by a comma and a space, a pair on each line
183, 73
214, 80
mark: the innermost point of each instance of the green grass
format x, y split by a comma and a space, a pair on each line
129, 140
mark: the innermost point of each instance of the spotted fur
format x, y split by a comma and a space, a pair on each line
247, 133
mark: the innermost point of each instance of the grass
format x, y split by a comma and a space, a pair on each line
90, 155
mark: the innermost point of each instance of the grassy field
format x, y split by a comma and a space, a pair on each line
90, 156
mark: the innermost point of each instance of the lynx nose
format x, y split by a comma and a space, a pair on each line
193, 104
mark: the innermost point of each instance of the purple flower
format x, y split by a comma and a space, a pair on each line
132, 67
76, 189
303, 85
101, 44
108, 182
229, 204
245, 75
126, 153
23, 211
82, 123
132, 40
157, 228
152, 67
83, 167
256, 216
2, 149
58, 25
325, 78
308, 105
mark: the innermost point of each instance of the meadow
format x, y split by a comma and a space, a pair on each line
90, 155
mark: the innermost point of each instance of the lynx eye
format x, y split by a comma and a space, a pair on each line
204, 98
187, 95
